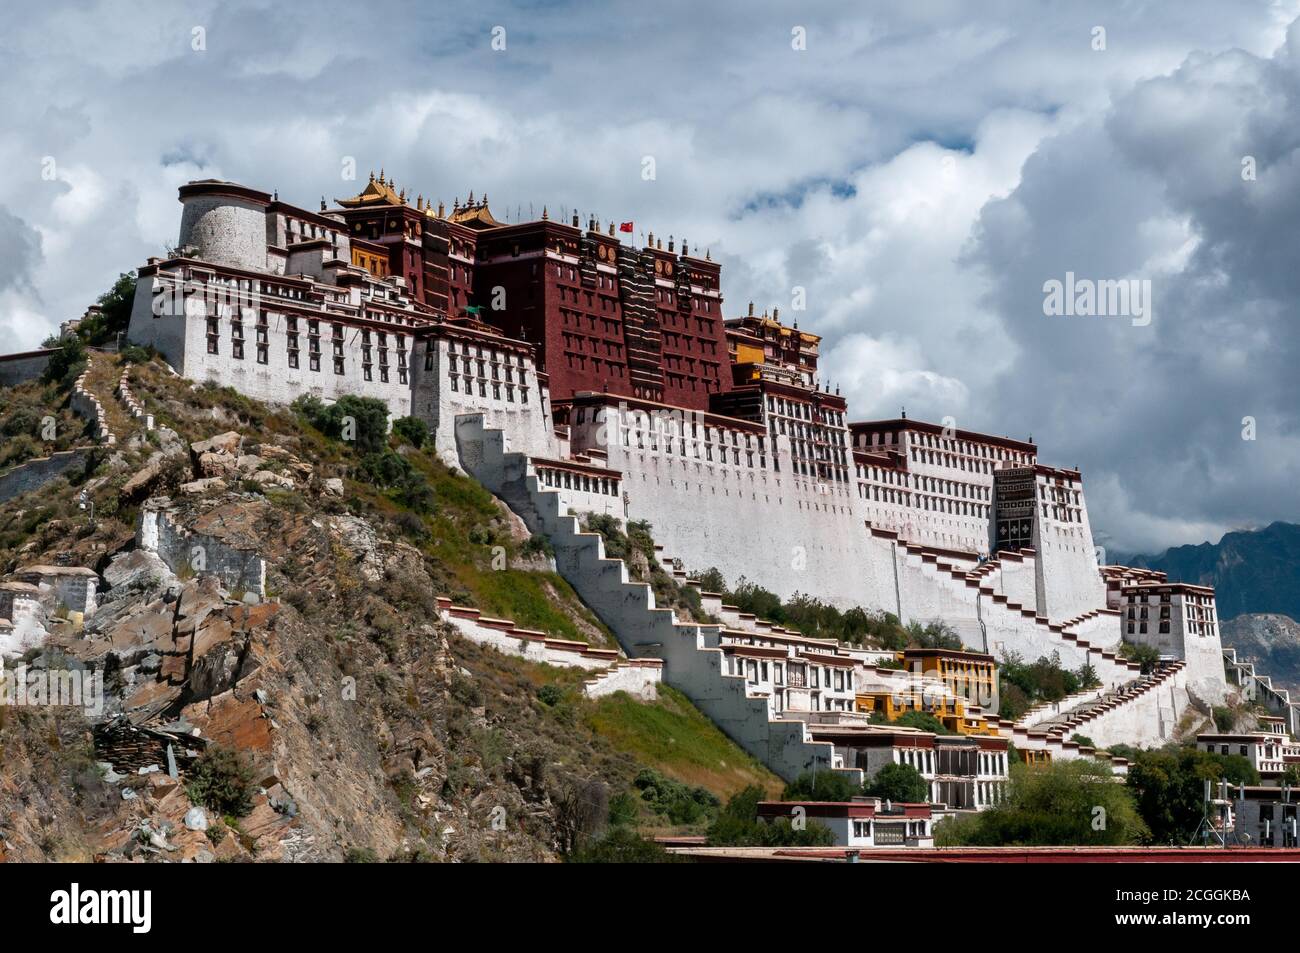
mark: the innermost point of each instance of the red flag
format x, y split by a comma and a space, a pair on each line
625, 227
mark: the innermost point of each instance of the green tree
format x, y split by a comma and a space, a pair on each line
67, 363
901, 783
413, 430
1145, 655
1059, 803
115, 313
737, 825
822, 786
359, 421
1169, 785
621, 845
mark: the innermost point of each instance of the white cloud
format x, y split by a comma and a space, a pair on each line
920, 169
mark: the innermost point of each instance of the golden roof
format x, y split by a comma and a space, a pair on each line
474, 215
377, 192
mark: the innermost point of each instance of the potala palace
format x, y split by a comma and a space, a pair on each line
570, 373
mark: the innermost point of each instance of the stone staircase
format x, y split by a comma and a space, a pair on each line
1260, 687
958, 596
1143, 712
692, 659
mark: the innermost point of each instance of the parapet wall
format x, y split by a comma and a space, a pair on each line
18, 369
34, 474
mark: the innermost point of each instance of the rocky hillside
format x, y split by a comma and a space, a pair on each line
332, 715
1271, 641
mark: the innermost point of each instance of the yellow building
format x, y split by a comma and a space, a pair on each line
970, 676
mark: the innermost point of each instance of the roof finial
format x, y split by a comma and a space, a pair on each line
611, 229
372, 175
381, 176
442, 210
904, 413
322, 203
545, 214
670, 243
751, 309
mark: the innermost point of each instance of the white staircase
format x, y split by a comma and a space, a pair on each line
693, 661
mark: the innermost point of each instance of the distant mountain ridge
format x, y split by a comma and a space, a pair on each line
1252, 571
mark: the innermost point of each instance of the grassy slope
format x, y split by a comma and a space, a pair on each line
675, 737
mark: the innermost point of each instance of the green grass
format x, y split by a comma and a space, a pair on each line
673, 736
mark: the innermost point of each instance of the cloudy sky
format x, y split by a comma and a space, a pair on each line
921, 169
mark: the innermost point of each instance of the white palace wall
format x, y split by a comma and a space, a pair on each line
786, 534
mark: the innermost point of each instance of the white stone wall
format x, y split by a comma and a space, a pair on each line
27, 623
226, 230
720, 514
639, 678
519, 406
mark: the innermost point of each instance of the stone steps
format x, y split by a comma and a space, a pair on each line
690, 652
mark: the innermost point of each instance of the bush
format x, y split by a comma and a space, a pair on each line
367, 430
1082, 740
1061, 803
738, 826
550, 695
412, 430
115, 312
899, 782
66, 364
622, 845
1145, 655
134, 354
823, 786
222, 780
1169, 786
920, 720
1224, 718
678, 802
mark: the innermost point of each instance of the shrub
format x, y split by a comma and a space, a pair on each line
823, 786
1058, 804
737, 825
221, 780
134, 354
550, 695
622, 845
899, 782
678, 802
66, 364
1224, 718
1145, 655
412, 430
368, 430
1169, 786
